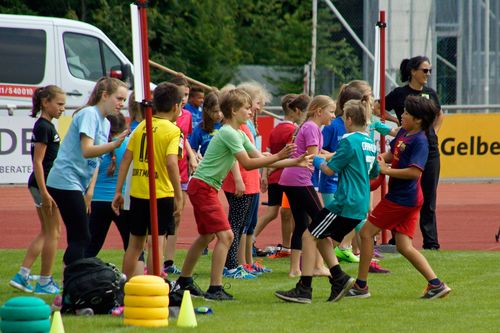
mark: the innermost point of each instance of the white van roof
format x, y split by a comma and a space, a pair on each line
44, 20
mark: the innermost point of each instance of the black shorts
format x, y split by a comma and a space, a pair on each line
274, 194
328, 224
139, 217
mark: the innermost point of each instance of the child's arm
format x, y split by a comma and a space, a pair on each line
438, 121
117, 202
388, 116
406, 173
193, 161
253, 159
90, 150
90, 191
175, 179
239, 185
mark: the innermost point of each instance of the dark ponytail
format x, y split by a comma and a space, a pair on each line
49, 92
407, 65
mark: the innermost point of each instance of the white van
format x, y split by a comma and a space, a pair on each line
38, 51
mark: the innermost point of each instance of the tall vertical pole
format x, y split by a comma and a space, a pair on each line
382, 25
142, 4
487, 53
312, 89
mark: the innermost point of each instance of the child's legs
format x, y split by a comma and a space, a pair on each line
194, 254
171, 242
274, 200
325, 248
150, 263
224, 241
295, 263
99, 221
36, 245
51, 228
135, 247
347, 240
246, 242
238, 214
367, 232
405, 247
271, 214
287, 226
309, 251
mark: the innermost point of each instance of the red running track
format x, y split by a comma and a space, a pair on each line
468, 219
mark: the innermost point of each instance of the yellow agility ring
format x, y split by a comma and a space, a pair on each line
140, 289
147, 279
146, 323
130, 312
146, 301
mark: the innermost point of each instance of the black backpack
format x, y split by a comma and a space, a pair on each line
91, 283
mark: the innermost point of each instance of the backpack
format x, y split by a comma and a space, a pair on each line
91, 283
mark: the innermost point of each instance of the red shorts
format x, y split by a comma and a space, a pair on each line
391, 216
208, 211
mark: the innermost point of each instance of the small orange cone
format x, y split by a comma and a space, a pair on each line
186, 318
57, 324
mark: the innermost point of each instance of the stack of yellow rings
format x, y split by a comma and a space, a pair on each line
146, 301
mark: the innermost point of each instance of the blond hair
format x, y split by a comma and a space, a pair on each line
233, 99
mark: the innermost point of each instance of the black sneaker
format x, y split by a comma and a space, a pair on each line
340, 287
219, 295
357, 292
299, 294
432, 292
192, 287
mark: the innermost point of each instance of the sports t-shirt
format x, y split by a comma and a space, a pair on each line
407, 151
251, 178
200, 138
44, 132
184, 122
71, 171
166, 140
395, 100
196, 114
309, 135
280, 136
355, 163
219, 157
332, 134
105, 185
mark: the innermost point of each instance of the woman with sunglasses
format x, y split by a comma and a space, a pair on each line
416, 72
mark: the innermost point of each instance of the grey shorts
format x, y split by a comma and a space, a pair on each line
37, 197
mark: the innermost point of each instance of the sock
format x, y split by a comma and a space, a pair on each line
435, 282
361, 283
184, 280
336, 271
168, 263
44, 280
213, 289
25, 272
286, 249
306, 281
343, 248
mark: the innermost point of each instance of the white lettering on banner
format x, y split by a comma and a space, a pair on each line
15, 141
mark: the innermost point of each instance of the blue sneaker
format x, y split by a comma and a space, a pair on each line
172, 270
258, 267
21, 283
238, 273
50, 288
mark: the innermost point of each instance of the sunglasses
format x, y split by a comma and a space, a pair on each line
426, 70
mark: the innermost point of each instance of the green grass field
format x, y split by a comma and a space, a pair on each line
473, 305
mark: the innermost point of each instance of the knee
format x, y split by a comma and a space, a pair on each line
226, 237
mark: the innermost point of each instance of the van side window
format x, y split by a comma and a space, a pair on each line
87, 57
22, 55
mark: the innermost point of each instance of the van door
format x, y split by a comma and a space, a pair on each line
84, 59
27, 58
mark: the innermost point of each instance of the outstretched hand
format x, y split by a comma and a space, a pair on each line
305, 160
383, 165
287, 151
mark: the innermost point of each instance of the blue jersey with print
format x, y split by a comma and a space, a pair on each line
200, 138
332, 134
196, 117
408, 151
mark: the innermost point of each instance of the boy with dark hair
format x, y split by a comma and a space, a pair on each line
195, 101
166, 138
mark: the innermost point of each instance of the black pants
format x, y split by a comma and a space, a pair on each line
429, 183
101, 217
239, 208
305, 205
74, 214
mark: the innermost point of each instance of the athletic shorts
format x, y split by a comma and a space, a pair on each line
391, 216
184, 186
208, 210
328, 224
284, 201
37, 197
274, 194
140, 218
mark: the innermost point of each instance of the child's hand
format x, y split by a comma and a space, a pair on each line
119, 139
117, 203
178, 205
305, 160
287, 151
383, 166
239, 188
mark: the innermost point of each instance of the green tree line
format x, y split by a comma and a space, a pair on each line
208, 39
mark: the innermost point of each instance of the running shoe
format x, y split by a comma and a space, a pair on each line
357, 292
21, 283
376, 268
346, 255
192, 287
172, 270
249, 269
299, 294
50, 288
219, 295
340, 286
259, 268
238, 273
432, 291
280, 254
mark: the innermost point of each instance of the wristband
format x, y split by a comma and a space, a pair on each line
317, 161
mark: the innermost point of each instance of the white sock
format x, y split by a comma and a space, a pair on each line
44, 280
25, 272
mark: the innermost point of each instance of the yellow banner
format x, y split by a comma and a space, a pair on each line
470, 146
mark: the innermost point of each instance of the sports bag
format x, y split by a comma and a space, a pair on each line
91, 283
